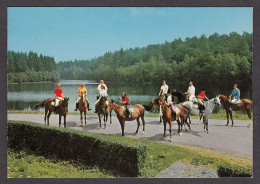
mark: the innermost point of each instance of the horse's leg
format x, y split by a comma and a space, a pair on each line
46, 111
227, 112
85, 117
99, 121
207, 125
182, 121
122, 122
164, 132
64, 117
142, 117
138, 125
186, 121
179, 128
48, 117
81, 123
59, 120
110, 117
160, 113
105, 119
204, 121
170, 130
200, 119
249, 116
231, 117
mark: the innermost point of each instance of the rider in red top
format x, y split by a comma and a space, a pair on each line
58, 96
201, 97
125, 101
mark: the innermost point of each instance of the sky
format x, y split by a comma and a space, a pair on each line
69, 33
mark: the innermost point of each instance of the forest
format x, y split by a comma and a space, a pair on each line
23, 67
217, 59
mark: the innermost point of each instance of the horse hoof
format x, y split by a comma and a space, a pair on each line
143, 133
248, 126
163, 138
181, 134
170, 139
205, 130
226, 124
208, 132
186, 129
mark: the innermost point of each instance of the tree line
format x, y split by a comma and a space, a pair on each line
218, 59
23, 67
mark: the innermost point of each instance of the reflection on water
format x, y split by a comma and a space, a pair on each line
26, 96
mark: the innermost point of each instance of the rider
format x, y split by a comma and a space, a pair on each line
191, 92
102, 92
58, 96
170, 103
82, 91
235, 95
125, 101
201, 98
99, 87
164, 89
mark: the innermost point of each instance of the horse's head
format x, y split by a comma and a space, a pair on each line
110, 105
217, 101
64, 105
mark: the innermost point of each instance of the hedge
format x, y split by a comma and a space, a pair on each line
108, 152
228, 170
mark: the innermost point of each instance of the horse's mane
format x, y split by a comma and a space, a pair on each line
223, 97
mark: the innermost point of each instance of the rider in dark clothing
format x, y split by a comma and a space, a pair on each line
125, 101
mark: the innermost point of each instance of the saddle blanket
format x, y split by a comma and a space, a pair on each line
177, 110
237, 102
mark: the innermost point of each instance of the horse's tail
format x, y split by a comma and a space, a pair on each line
38, 106
147, 107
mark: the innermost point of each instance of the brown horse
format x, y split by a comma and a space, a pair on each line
49, 108
168, 118
83, 106
137, 112
245, 104
102, 109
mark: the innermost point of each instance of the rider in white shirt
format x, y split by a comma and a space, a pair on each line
191, 92
164, 89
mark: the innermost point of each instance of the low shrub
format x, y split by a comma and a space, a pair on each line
105, 151
228, 170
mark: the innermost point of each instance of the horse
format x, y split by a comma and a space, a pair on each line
168, 118
49, 108
102, 109
245, 104
137, 112
153, 102
182, 98
209, 106
83, 106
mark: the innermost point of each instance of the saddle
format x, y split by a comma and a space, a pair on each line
237, 102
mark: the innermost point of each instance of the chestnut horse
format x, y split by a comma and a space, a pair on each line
137, 112
102, 109
245, 104
168, 118
49, 108
83, 106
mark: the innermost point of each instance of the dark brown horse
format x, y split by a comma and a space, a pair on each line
102, 109
49, 108
137, 112
245, 104
168, 118
83, 106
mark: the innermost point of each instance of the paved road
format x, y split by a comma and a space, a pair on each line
236, 141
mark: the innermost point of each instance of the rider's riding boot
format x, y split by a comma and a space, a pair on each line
95, 109
77, 106
88, 107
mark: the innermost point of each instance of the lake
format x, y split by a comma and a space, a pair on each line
26, 96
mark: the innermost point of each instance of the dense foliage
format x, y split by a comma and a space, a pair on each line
105, 151
218, 59
23, 67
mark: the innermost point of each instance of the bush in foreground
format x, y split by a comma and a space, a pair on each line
104, 151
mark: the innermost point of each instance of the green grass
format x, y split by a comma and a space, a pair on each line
159, 157
221, 115
24, 165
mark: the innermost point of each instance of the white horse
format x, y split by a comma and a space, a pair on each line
209, 106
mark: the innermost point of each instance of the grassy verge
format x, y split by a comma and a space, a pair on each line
22, 164
159, 156
221, 115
